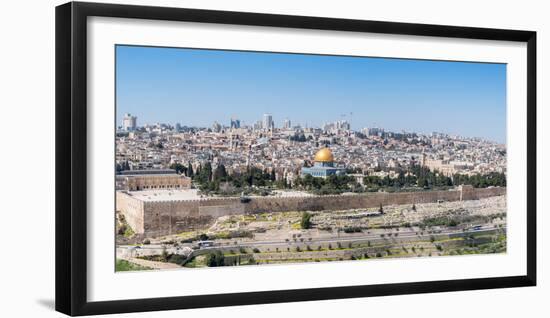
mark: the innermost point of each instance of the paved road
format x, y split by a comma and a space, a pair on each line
402, 234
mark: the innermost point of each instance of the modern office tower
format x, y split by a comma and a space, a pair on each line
258, 125
235, 123
344, 125
129, 122
286, 124
267, 122
216, 127
375, 131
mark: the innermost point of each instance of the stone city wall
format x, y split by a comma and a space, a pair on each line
368, 200
171, 217
132, 209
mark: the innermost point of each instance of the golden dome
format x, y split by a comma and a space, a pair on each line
324, 155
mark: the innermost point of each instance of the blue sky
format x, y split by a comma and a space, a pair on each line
197, 87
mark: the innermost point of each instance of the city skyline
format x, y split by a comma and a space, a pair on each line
166, 84
294, 125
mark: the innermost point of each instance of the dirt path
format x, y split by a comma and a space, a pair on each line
152, 264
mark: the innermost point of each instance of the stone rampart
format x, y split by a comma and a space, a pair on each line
169, 217
156, 218
132, 209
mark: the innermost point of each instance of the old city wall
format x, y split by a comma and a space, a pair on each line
132, 209
470, 193
340, 202
369, 200
170, 217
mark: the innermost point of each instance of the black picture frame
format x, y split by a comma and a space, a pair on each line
71, 157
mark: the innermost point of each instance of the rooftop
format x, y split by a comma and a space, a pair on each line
192, 194
165, 195
145, 172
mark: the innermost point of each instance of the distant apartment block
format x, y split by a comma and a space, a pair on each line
129, 122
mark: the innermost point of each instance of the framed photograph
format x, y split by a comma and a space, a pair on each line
212, 158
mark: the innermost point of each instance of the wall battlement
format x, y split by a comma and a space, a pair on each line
157, 218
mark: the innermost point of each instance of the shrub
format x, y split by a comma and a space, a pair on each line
352, 229
122, 229
146, 242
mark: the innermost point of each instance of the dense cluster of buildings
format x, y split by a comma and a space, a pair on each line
287, 149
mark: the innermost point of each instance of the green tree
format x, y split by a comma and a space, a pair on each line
190, 173
305, 223
215, 259
220, 173
178, 167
